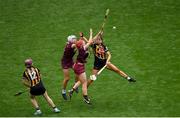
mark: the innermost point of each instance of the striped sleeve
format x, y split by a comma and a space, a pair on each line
24, 76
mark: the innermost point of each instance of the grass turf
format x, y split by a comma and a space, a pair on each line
145, 44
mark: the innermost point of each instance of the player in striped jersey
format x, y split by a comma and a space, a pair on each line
102, 57
32, 79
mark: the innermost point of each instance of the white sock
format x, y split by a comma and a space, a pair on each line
63, 91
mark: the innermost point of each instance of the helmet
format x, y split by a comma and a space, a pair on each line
28, 62
79, 43
71, 38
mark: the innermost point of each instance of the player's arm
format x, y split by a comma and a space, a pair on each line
99, 33
26, 82
73, 46
108, 56
83, 37
90, 41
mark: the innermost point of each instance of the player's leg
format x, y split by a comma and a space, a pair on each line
78, 69
94, 72
65, 81
83, 80
98, 64
50, 102
112, 67
74, 88
66, 78
35, 105
76, 78
76, 84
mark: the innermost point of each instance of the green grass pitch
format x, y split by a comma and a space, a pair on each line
145, 44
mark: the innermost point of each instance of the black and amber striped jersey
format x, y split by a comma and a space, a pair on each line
100, 51
32, 74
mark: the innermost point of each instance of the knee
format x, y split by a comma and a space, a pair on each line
84, 82
46, 96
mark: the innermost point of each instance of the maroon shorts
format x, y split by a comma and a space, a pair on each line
79, 68
67, 64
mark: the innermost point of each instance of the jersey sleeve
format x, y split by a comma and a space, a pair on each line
38, 70
24, 75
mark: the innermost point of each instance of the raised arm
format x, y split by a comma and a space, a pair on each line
90, 41
82, 36
99, 33
90, 34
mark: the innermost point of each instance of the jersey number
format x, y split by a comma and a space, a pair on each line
33, 75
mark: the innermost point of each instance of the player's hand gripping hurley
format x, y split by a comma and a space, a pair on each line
93, 77
21, 92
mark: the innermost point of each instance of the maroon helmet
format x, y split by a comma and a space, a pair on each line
28, 62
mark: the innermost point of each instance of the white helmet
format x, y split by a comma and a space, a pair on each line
71, 38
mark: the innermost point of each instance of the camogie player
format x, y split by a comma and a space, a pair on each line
32, 79
67, 62
79, 66
102, 57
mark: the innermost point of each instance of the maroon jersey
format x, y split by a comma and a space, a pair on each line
82, 55
67, 59
79, 66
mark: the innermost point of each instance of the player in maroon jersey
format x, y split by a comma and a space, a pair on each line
102, 57
67, 61
79, 66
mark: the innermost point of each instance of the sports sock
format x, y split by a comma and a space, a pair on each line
37, 108
63, 91
85, 97
73, 89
